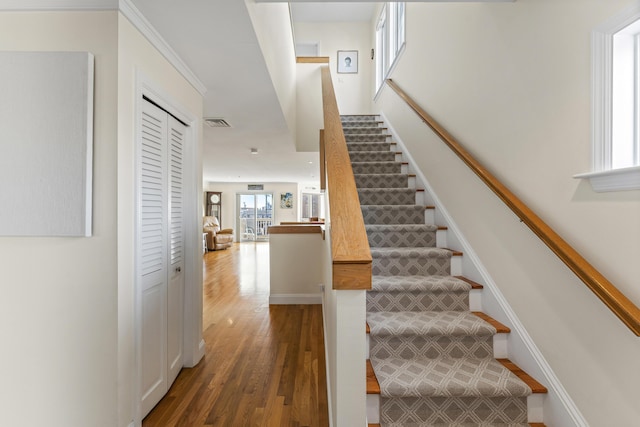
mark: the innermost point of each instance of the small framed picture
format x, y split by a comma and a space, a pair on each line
347, 61
286, 201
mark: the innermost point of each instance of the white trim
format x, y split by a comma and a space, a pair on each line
193, 343
571, 413
326, 358
140, 22
601, 102
294, 299
613, 180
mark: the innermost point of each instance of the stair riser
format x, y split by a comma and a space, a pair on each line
376, 167
535, 405
367, 138
365, 124
382, 181
359, 118
369, 146
417, 301
387, 196
454, 410
360, 130
401, 239
372, 156
411, 266
431, 347
380, 215
500, 350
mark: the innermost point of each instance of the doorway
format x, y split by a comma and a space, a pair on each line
255, 215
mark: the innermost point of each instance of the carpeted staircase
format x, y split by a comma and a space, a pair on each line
432, 358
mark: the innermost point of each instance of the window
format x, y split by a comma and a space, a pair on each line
616, 103
311, 206
390, 39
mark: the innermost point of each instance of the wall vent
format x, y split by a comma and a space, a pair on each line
217, 123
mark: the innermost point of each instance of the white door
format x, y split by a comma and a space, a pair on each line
175, 295
160, 251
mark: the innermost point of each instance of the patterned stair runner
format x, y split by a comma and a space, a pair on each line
432, 357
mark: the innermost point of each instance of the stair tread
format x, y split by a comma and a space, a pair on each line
381, 175
374, 163
413, 424
420, 284
535, 386
500, 328
447, 377
428, 323
382, 252
410, 228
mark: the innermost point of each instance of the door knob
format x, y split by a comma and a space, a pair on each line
178, 269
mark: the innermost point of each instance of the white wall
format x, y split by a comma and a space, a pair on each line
58, 309
231, 189
295, 268
353, 91
272, 24
512, 81
137, 59
309, 101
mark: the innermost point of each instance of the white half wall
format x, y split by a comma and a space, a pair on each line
296, 271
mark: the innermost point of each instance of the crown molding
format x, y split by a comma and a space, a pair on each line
138, 20
128, 9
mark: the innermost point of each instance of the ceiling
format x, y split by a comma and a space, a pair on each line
216, 40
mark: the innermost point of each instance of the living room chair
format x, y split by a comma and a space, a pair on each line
216, 238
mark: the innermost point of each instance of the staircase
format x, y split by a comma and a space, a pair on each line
432, 361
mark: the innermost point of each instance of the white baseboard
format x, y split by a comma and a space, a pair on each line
285, 299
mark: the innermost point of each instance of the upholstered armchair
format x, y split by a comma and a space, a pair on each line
216, 238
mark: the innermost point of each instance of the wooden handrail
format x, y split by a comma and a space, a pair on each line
349, 244
611, 296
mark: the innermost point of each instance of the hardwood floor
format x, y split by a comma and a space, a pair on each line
264, 365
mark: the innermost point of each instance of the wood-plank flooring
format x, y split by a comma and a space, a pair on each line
264, 365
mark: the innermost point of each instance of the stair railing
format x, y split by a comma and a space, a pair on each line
351, 256
611, 296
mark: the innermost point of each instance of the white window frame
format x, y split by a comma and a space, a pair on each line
604, 177
390, 40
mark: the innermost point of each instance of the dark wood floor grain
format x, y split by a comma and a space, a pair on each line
264, 365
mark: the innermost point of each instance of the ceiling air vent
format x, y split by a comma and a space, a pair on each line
217, 123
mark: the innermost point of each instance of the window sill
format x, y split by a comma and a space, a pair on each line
613, 180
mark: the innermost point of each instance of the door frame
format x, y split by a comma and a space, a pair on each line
193, 342
237, 210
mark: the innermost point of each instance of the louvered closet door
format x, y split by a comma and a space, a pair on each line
176, 256
160, 246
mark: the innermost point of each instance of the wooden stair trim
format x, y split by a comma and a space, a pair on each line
373, 387
351, 256
532, 425
500, 328
442, 228
453, 252
294, 229
474, 285
611, 296
430, 207
312, 59
535, 386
